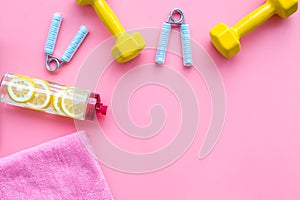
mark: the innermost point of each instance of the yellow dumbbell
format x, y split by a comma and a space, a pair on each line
127, 46
226, 39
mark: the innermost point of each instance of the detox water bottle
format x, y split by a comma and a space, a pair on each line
46, 96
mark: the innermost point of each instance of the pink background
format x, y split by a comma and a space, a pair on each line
257, 156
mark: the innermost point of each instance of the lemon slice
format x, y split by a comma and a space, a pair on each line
73, 102
20, 89
56, 102
42, 95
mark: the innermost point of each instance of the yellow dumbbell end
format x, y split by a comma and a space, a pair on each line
225, 40
284, 8
128, 46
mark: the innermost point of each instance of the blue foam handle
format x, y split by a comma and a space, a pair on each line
186, 45
75, 43
52, 34
163, 43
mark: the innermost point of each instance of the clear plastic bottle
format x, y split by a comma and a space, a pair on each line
41, 95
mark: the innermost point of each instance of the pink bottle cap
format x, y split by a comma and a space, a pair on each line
94, 106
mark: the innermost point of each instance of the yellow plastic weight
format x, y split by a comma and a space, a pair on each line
127, 46
226, 39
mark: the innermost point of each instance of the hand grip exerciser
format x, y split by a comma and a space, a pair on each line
185, 39
127, 46
226, 39
41, 95
51, 40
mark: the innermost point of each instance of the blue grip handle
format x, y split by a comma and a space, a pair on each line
52, 34
75, 43
163, 43
186, 45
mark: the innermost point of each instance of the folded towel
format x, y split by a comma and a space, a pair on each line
59, 169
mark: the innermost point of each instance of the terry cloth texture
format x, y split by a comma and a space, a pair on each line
59, 169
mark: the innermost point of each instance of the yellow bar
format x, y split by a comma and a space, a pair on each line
254, 19
108, 17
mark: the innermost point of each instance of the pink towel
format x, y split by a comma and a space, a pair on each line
59, 169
